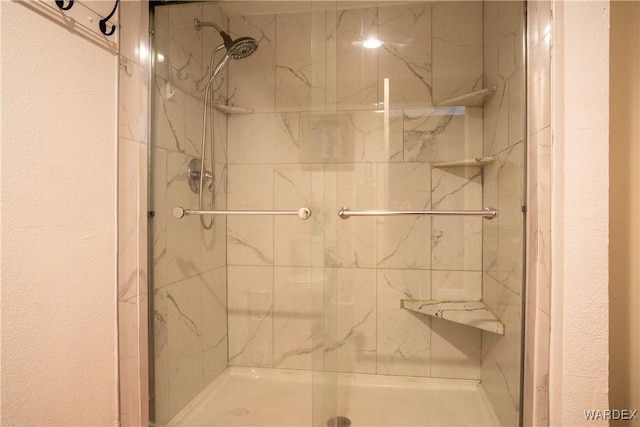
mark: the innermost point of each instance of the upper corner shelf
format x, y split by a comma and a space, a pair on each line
473, 99
477, 162
229, 109
471, 313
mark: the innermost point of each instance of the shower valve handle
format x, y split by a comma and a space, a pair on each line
193, 176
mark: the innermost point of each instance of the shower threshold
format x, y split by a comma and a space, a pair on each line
277, 397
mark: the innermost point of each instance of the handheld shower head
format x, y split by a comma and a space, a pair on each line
242, 47
239, 48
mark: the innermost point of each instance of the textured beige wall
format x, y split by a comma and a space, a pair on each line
579, 362
624, 199
58, 157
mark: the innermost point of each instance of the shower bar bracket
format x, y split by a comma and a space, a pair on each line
488, 213
303, 213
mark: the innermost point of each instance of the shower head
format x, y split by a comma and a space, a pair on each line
239, 48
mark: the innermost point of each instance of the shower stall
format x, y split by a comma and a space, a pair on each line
337, 194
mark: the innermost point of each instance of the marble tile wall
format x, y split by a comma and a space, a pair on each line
502, 261
189, 261
373, 335
320, 139
132, 212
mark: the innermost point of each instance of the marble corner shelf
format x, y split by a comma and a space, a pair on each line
228, 109
470, 313
477, 162
473, 99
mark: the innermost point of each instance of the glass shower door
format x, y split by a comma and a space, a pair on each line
422, 144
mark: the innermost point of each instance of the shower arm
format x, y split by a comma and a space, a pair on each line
199, 24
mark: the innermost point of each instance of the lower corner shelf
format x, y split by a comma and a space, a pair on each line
472, 313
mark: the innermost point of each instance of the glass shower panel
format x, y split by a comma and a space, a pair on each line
241, 305
189, 273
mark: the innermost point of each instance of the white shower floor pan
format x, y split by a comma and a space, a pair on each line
244, 397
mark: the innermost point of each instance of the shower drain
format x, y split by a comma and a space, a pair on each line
339, 422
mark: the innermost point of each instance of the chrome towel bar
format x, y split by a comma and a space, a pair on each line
304, 212
488, 213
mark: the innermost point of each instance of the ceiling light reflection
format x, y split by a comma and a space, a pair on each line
371, 43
